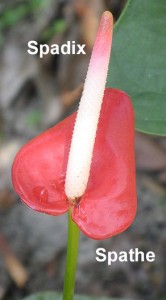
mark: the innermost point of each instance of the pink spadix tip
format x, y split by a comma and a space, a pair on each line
83, 139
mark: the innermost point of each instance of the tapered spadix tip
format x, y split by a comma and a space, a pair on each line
107, 17
103, 40
107, 14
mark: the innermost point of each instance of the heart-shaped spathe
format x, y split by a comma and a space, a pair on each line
108, 205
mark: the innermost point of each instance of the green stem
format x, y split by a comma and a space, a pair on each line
71, 259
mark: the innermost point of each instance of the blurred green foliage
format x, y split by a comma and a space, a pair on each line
138, 64
33, 118
12, 15
57, 26
58, 296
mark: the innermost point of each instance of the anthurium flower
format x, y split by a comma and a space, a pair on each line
85, 162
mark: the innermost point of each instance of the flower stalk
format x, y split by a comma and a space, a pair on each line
71, 259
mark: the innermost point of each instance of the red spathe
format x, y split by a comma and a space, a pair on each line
108, 205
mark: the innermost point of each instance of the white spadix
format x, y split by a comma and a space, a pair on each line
83, 139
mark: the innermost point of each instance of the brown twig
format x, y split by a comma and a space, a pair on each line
16, 270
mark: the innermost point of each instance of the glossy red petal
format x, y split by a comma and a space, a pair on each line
39, 169
108, 205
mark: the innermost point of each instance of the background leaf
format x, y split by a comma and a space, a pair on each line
138, 64
58, 296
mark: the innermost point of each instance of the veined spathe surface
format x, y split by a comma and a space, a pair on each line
83, 139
